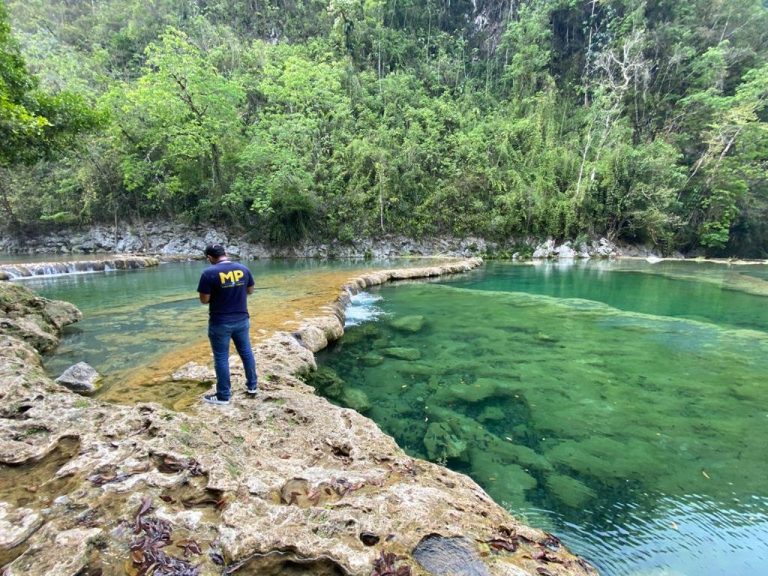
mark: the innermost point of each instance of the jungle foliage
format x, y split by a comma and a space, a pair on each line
643, 120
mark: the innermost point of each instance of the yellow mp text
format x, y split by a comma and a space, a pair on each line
232, 276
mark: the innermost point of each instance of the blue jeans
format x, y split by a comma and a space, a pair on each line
220, 335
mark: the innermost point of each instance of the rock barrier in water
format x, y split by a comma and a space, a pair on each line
16, 271
276, 481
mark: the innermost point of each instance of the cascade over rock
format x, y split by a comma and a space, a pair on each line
13, 271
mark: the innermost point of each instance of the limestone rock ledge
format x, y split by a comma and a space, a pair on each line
122, 262
32, 318
281, 482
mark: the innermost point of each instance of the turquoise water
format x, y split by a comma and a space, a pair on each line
129, 316
133, 317
622, 406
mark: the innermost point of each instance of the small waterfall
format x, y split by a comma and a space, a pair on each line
20, 271
362, 308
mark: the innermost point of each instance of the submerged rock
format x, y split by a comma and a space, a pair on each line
412, 324
356, 399
478, 391
371, 359
442, 444
511, 452
402, 353
327, 381
569, 491
81, 377
491, 414
507, 488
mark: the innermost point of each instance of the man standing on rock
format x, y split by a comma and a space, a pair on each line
225, 286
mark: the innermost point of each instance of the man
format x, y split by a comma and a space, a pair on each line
225, 286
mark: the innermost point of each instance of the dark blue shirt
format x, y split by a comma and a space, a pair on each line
227, 283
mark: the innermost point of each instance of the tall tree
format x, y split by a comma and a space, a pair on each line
33, 124
180, 127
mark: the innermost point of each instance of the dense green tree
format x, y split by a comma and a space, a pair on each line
34, 124
179, 128
643, 120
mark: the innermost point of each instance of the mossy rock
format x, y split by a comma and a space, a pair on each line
371, 359
442, 444
509, 452
492, 414
410, 324
326, 381
380, 342
402, 353
357, 334
477, 391
569, 491
506, 483
356, 399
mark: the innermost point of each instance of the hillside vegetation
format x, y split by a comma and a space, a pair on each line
643, 120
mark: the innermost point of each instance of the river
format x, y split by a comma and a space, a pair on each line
620, 405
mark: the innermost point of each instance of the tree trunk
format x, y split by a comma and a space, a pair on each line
218, 183
5, 203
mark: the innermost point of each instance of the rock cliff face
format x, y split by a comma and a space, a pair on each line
279, 483
170, 238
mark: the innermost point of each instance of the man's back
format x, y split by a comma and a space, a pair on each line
227, 283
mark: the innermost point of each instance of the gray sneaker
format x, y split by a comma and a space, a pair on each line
213, 399
252, 391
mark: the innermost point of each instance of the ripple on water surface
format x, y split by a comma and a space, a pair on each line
684, 536
639, 438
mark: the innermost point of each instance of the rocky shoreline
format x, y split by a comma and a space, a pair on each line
169, 238
283, 481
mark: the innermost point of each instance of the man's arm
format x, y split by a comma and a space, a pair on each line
204, 289
251, 288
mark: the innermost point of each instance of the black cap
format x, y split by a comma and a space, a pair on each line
215, 250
